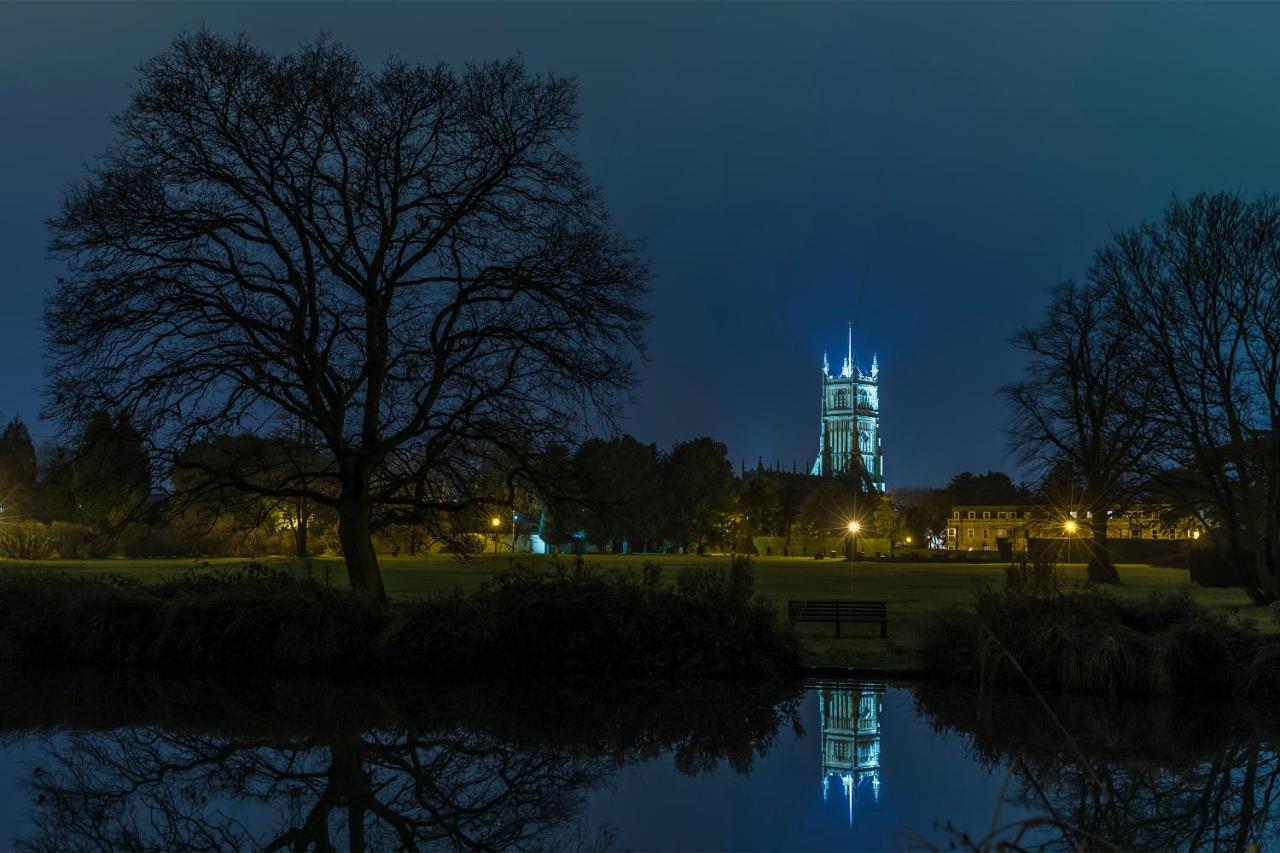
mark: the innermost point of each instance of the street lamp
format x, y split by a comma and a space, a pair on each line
1069, 527
494, 523
854, 527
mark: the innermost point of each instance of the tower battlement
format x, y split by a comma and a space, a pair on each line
849, 430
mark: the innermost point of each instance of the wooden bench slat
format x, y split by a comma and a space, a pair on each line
840, 611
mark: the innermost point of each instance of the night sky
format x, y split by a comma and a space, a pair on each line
923, 171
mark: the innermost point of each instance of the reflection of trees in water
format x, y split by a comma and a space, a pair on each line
325, 766
1130, 775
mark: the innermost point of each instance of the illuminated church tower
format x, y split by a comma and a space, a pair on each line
849, 720
850, 426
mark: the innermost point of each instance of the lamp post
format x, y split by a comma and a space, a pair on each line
1069, 527
494, 523
853, 541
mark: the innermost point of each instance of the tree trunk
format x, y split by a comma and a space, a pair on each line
1101, 569
356, 537
300, 531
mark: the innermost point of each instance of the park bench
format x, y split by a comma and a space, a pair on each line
840, 611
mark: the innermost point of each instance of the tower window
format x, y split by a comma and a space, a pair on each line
842, 400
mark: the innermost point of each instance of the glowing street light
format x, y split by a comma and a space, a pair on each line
854, 527
1195, 534
1070, 527
494, 522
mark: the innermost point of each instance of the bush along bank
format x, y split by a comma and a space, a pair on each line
576, 622
1033, 632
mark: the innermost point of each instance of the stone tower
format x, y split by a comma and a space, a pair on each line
849, 431
849, 721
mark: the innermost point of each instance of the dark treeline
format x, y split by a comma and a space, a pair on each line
1157, 380
100, 496
634, 496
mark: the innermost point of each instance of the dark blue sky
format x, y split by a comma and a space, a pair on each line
922, 170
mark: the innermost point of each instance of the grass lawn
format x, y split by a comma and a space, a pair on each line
911, 589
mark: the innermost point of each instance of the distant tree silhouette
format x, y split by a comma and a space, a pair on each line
19, 472
1079, 412
620, 480
110, 472
1198, 292
700, 491
407, 262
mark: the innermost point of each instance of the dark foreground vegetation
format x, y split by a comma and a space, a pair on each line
1032, 633
574, 622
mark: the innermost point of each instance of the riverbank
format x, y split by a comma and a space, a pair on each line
912, 591
1032, 632
574, 623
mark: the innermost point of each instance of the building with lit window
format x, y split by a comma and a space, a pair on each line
982, 528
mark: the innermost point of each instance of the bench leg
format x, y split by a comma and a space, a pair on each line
837, 629
884, 629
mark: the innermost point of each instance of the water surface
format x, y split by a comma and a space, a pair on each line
127, 760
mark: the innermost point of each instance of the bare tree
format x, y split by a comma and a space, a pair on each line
1079, 408
407, 262
1199, 292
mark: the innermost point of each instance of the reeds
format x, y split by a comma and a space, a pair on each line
1093, 641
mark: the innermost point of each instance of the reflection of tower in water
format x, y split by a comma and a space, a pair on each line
849, 718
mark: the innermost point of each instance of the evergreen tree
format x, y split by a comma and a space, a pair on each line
18, 470
111, 472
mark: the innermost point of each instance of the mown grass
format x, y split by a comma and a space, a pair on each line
912, 590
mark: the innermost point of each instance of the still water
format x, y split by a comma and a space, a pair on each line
120, 760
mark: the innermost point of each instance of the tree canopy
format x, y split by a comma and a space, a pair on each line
407, 261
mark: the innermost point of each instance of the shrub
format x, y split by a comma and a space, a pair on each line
73, 541
575, 622
26, 540
1089, 641
1037, 579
